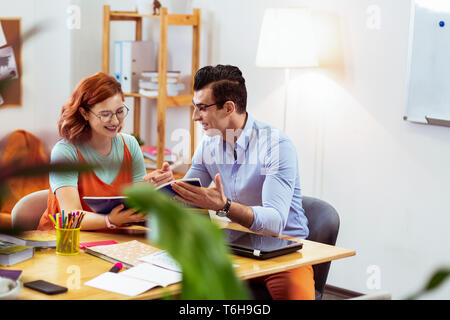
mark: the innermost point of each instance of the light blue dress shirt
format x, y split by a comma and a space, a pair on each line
264, 176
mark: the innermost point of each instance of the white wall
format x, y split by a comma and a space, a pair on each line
387, 178
45, 68
87, 54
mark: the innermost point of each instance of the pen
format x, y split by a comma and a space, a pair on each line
116, 268
53, 220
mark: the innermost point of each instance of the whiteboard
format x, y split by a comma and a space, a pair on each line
428, 87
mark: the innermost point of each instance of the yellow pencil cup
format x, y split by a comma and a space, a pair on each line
67, 241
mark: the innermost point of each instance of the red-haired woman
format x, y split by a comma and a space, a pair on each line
89, 124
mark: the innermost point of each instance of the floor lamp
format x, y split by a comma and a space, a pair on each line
286, 41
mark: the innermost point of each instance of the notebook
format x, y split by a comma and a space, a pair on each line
106, 204
135, 280
34, 238
11, 253
127, 253
259, 246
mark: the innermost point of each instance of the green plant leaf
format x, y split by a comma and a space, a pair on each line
196, 243
436, 279
14, 170
4, 83
138, 139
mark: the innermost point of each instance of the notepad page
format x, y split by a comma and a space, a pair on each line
127, 252
163, 260
117, 283
148, 272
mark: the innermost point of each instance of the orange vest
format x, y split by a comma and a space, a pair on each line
89, 185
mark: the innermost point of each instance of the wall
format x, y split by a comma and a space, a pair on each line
86, 43
45, 67
387, 178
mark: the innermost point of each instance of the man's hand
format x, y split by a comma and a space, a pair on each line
161, 176
206, 198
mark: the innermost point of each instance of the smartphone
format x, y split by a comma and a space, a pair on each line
45, 287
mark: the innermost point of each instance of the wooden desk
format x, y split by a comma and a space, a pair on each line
66, 270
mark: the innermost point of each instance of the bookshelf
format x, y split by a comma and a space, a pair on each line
163, 100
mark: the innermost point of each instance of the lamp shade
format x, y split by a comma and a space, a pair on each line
286, 39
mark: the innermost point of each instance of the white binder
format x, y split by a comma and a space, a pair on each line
130, 59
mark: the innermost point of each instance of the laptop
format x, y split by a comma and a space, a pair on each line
258, 246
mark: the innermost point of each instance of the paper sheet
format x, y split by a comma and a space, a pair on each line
163, 260
148, 272
2, 37
116, 282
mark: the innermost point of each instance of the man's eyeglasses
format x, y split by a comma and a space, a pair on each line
106, 116
202, 107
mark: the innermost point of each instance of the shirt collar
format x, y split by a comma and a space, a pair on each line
245, 136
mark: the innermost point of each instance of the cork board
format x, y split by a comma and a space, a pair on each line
12, 94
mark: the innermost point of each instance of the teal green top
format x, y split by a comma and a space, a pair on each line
107, 168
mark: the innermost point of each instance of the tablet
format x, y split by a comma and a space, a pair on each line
259, 246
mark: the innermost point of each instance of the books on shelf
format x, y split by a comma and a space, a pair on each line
150, 152
154, 93
34, 238
149, 164
155, 74
168, 80
11, 253
106, 204
148, 84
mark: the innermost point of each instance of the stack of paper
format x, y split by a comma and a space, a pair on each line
136, 280
146, 271
150, 155
148, 84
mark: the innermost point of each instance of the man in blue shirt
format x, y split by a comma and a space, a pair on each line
254, 168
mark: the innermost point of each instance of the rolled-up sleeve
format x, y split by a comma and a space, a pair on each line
278, 190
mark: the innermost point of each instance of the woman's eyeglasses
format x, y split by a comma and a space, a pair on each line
106, 116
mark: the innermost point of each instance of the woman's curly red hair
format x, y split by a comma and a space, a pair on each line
90, 91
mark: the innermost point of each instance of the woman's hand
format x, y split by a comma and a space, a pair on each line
118, 217
161, 176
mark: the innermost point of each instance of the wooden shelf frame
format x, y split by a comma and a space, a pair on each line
163, 101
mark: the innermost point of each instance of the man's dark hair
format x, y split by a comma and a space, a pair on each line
227, 84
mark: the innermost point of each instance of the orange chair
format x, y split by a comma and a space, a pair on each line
21, 147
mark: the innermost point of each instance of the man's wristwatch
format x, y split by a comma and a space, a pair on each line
108, 223
224, 211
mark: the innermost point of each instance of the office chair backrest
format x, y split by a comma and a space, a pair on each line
323, 223
28, 211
